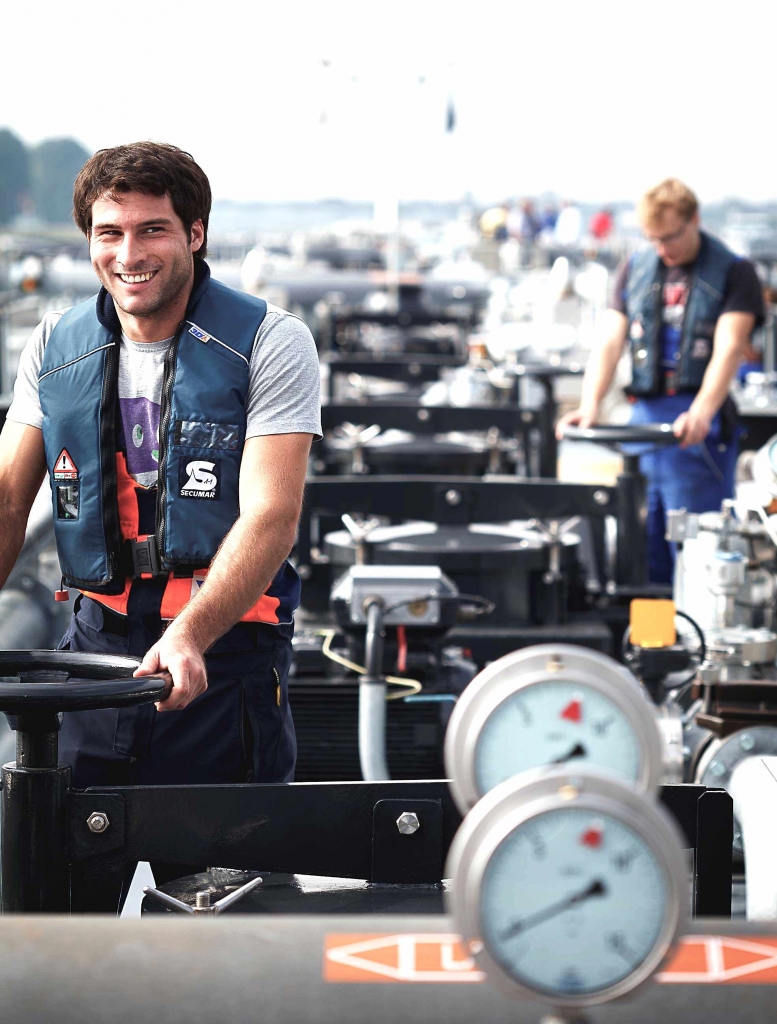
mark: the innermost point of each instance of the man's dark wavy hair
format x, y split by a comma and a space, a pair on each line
155, 168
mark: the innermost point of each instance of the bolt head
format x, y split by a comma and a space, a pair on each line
601, 497
408, 823
453, 497
97, 821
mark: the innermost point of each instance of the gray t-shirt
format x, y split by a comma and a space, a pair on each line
283, 392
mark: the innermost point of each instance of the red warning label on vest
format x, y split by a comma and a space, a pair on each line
64, 467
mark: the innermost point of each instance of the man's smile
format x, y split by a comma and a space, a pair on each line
137, 278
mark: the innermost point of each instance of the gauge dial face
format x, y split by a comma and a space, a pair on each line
556, 722
572, 902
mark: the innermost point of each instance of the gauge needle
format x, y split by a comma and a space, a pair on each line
596, 888
577, 751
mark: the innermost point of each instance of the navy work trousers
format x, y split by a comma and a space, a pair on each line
239, 730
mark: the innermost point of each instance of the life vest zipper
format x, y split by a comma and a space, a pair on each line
108, 460
167, 391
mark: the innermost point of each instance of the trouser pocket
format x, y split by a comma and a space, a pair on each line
267, 730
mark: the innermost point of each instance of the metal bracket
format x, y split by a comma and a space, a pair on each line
712, 856
84, 842
403, 856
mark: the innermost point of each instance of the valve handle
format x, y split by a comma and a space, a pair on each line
617, 434
54, 681
202, 903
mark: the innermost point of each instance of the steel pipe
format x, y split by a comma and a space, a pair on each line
372, 701
287, 969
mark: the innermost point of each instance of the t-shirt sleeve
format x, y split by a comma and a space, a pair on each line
25, 407
618, 291
284, 391
743, 292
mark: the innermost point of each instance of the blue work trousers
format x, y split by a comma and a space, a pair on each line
697, 479
239, 730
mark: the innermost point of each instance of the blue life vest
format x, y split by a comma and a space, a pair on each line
202, 432
644, 301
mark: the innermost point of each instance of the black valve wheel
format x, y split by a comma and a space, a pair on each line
55, 681
616, 434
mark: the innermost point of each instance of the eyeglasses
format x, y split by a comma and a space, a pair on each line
669, 239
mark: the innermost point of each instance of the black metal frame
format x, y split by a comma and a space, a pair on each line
462, 500
412, 369
405, 317
510, 421
343, 829
426, 369
432, 419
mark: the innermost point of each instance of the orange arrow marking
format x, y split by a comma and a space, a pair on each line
398, 958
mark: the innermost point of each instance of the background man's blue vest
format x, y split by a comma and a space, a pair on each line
644, 309
202, 432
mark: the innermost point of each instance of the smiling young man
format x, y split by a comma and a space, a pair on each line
687, 307
173, 417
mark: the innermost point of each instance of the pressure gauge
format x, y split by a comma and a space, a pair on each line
551, 704
566, 886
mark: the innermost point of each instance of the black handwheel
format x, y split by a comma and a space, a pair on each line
55, 681
615, 434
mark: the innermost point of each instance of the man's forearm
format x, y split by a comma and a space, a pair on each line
242, 570
717, 381
732, 335
11, 541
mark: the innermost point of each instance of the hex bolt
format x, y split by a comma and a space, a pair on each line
453, 497
423, 415
202, 900
408, 823
601, 497
97, 821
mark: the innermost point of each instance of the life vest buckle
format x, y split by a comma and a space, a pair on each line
145, 558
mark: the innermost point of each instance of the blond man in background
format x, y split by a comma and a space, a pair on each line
687, 306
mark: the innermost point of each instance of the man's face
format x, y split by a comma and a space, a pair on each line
675, 239
141, 252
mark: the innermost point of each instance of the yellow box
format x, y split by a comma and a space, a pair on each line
651, 623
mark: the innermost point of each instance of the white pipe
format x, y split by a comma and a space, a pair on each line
753, 788
372, 731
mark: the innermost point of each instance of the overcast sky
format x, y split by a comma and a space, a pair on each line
588, 98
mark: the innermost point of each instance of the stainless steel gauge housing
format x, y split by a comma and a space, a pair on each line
568, 886
551, 704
